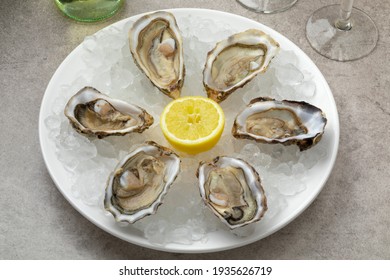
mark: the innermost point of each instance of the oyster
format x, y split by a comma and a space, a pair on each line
232, 189
93, 113
157, 49
287, 122
235, 61
140, 181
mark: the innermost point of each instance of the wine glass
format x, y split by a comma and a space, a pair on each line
341, 32
267, 6
89, 10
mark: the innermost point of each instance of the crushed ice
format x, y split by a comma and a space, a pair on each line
182, 218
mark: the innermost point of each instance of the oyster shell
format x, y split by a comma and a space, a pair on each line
93, 113
232, 189
287, 122
235, 61
157, 49
139, 183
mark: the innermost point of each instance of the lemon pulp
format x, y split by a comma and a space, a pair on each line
192, 124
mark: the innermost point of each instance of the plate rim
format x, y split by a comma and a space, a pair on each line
175, 248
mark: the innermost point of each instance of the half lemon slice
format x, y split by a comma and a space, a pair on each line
192, 124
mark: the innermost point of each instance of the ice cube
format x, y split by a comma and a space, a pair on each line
198, 233
120, 77
263, 159
104, 148
53, 122
289, 74
179, 214
69, 160
276, 203
90, 43
60, 102
102, 80
107, 37
289, 186
109, 163
285, 92
250, 150
283, 168
156, 232
299, 170
90, 185
86, 150
180, 235
285, 57
306, 89
308, 159
92, 59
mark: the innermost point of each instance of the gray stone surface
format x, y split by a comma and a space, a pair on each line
350, 219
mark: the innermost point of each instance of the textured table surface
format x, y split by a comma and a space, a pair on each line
350, 219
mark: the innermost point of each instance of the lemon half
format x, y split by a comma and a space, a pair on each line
192, 124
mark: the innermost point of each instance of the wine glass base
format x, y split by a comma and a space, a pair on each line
337, 44
89, 11
267, 6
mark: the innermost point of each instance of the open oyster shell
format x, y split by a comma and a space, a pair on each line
235, 61
157, 49
287, 122
93, 113
232, 189
139, 183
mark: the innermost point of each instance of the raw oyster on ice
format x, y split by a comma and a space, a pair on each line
235, 61
286, 122
93, 113
232, 189
139, 183
157, 49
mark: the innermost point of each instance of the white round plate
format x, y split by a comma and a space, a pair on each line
218, 240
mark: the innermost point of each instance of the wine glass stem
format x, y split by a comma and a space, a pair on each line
344, 22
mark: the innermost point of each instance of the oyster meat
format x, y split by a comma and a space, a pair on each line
93, 113
287, 122
235, 61
232, 189
140, 181
157, 49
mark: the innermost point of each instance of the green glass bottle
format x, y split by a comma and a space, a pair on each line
89, 10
